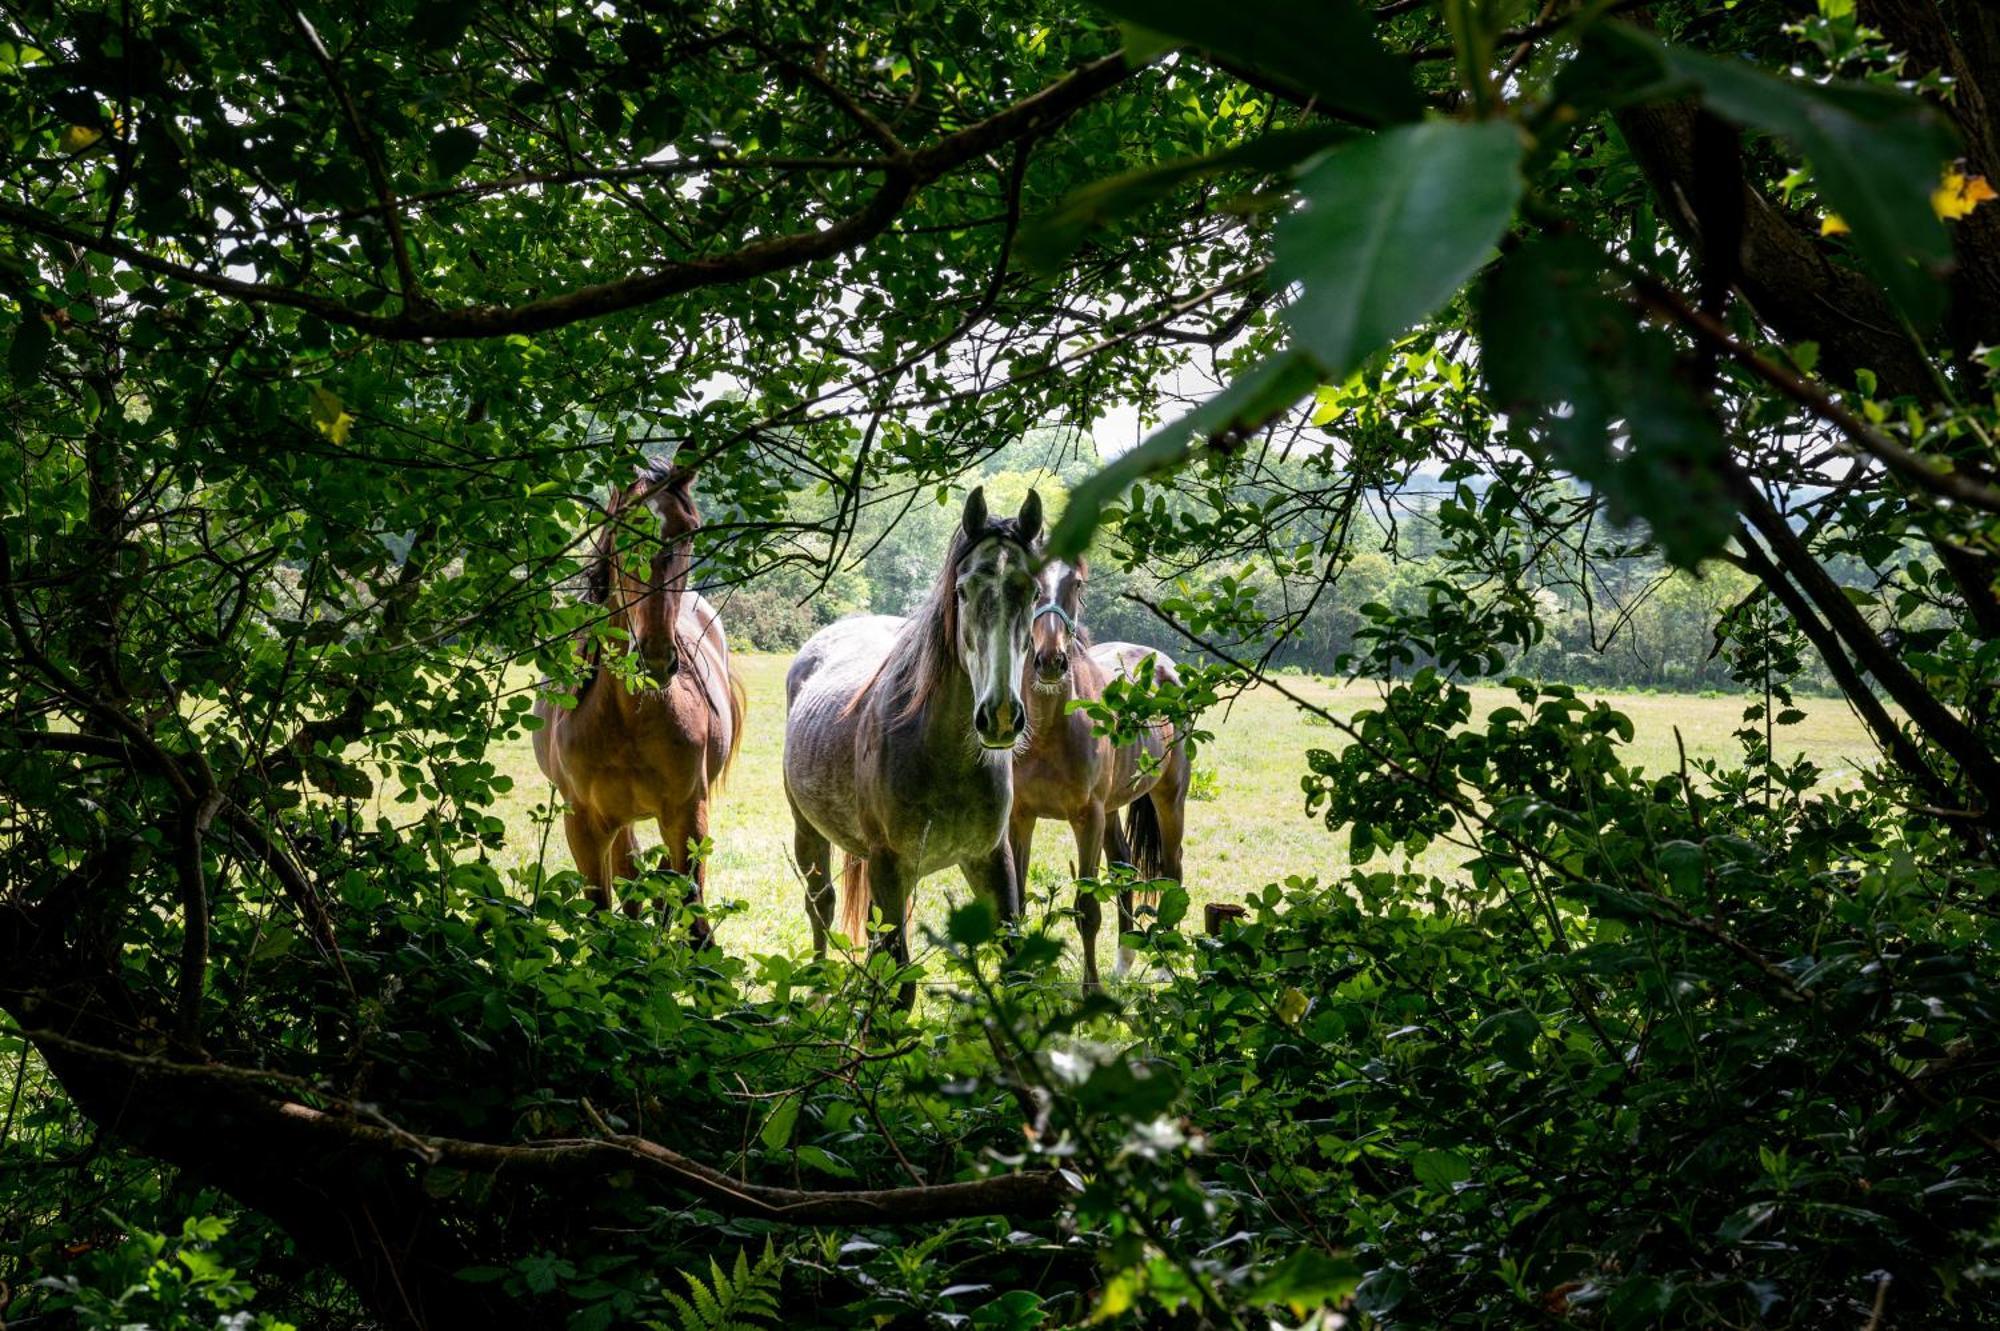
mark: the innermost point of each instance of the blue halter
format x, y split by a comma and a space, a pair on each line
1053, 609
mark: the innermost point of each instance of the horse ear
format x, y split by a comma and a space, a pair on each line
1031, 518
975, 513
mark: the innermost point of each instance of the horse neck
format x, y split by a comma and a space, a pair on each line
1048, 706
943, 723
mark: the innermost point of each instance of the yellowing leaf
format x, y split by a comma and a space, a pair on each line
1959, 195
330, 415
76, 138
1121, 1292
1292, 1005
1956, 197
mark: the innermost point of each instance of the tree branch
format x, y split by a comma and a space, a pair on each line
901, 180
566, 1160
1914, 467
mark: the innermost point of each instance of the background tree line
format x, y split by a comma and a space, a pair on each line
1620, 621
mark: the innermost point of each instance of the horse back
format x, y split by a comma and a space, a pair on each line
822, 723
1154, 757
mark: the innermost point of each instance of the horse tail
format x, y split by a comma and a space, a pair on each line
854, 899
739, 707
1144, 838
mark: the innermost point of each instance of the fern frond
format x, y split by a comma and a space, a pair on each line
743, 1298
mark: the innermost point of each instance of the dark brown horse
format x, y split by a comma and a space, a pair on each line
1072, 775
623, 754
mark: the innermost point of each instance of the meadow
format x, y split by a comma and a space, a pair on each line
1252, 830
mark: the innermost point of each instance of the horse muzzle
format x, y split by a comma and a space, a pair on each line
999, 724
661, 667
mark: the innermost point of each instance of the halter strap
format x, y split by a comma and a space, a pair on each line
1053, 609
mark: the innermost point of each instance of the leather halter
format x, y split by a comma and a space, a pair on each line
1053, 609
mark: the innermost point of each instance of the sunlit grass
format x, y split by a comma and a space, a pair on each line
1254, 831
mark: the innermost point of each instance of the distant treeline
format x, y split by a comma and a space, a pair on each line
1627, 623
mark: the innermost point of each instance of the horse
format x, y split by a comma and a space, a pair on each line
900, 736
1074, 775
660, 750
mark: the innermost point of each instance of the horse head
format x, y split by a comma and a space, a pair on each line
649, 607
1055, 634
993, 596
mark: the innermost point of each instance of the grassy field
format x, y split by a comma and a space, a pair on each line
1254, 831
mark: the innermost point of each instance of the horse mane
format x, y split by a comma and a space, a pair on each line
927, 645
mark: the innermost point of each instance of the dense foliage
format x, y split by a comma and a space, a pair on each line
329, 326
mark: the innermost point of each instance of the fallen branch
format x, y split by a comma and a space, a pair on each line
342, 1125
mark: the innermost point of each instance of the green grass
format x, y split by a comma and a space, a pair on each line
1253, 832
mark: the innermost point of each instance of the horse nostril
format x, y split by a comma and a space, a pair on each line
982, 718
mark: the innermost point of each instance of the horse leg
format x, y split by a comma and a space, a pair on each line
1020, 845
1116, 849
622, 856
1089, 829
1173, 815
1170, 807
678, 828
890, 895
590, 847
814, 854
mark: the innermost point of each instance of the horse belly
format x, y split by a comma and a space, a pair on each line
819, 767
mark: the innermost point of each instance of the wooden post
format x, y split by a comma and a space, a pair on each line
1216, 912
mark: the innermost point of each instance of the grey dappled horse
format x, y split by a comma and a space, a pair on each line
900, 735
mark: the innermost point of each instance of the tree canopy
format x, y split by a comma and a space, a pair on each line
329, 326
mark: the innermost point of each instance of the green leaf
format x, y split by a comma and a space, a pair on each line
452, 150
1383, 1290
1512, 1034
1254, 398
1877, 153
1327, 48
826, 1162
1573, 368
973, 923
1441, 1169
1308, 1279
777, 1131
30, 348
1393, 225
1127, 1091
658, 120
1683, 865
1050, 239
1638, 1302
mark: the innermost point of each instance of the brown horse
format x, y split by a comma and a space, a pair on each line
1083, 779
622, 754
